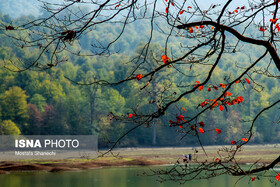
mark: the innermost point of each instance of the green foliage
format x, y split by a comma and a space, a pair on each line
14, 105
7, 127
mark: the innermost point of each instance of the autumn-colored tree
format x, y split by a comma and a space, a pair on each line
35, 120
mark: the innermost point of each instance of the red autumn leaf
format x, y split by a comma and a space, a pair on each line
227, 94
217, 160
131, 115
181, 126
190, 30
233, 142
196, 27
165, 59
182, 11
236, 11
10, 27
247, 80
218, 131
184, 109
222, 85
189, 7
277, 27
192, 128
202, 104
166, 10
139, 77
209, 89
242, 8
172, 122
212, 27
200, 88
201, 130
201, 26
262, 29
202, 124
117, 6
273, 20
239, 99
221, 107
244, 139
172, 3
180, 118
216, 88
237, 81
278, 177
253, 178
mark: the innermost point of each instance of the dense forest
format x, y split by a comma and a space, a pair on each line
50, 102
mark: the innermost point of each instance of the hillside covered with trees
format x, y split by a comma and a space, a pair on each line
50, 102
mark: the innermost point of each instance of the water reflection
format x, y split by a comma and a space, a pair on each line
114, 177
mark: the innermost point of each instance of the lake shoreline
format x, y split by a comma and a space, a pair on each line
73, 165
262, 154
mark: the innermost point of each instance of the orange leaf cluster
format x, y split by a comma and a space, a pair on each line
199, 27
278, 177
165, 59
131, 115
273, 20
190, 30
179, 119
236, 10
218, 131
201, 130
223, 85
200, 87
245, 139
227, 94
277, 27
263, 29
139, 77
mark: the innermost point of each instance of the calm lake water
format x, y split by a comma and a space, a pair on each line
114, 177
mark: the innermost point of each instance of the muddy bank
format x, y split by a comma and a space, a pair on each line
262, 154
73, 165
